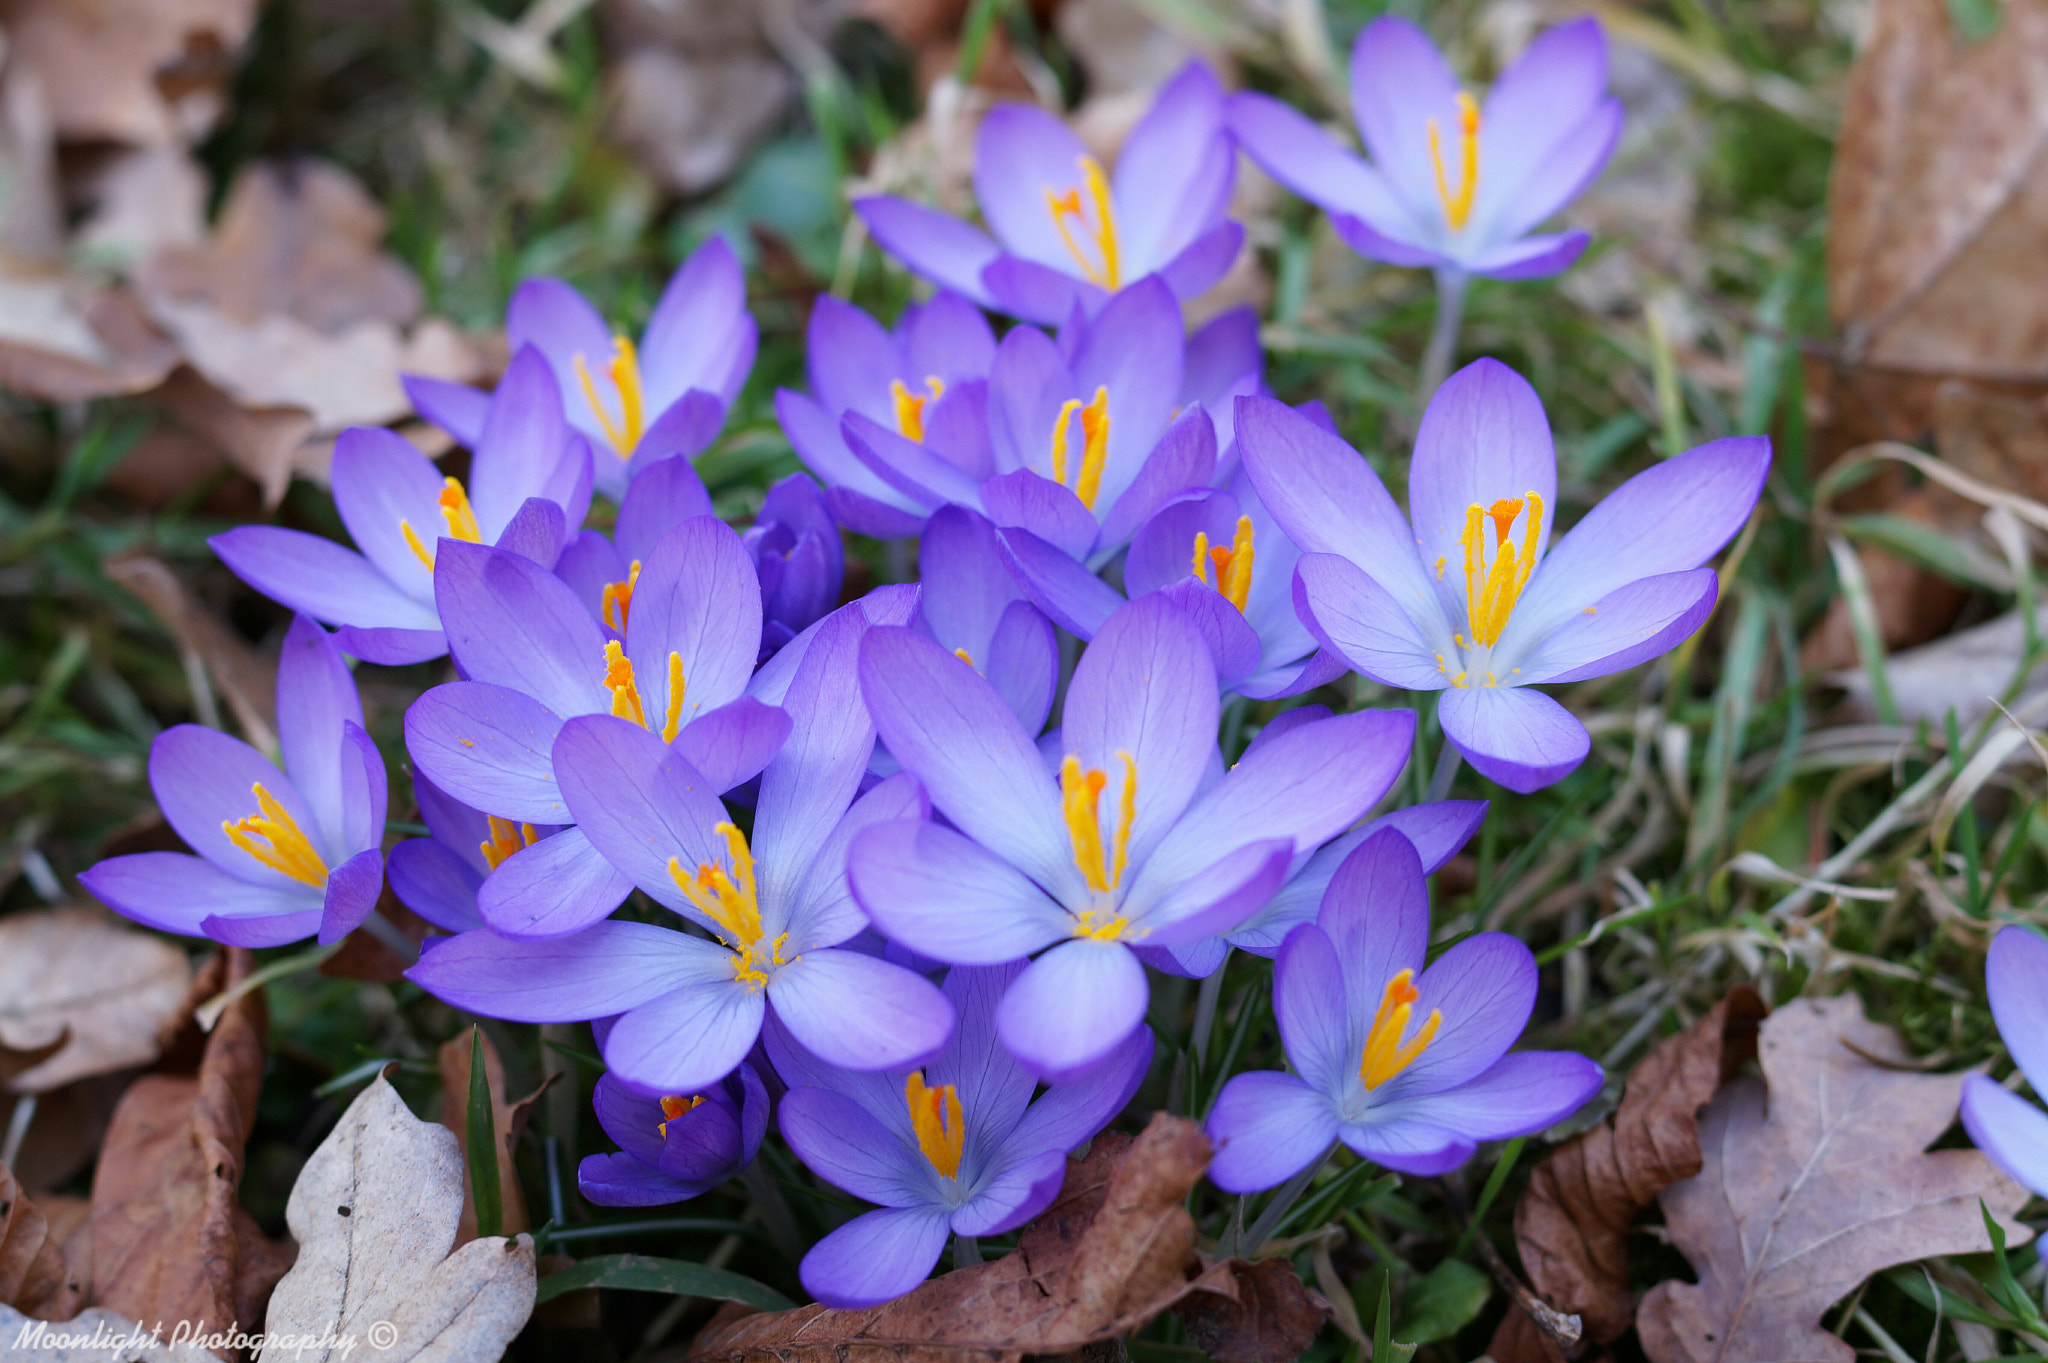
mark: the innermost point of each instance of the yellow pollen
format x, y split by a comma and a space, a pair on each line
1079, 792
1093, 244
728, 899
910, 407
618, 679
673, 1107
1458, 206
274, 838
963, 656
624, 369
1385, 1056
616, 601
455, 510
935, 1116
1492, 589
1441, 560
506, 838
1233, 565
1094, 445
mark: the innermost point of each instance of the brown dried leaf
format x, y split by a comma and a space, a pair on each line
143, 72
508, 1120
64, 339
1572, 1223
34, 1274
246, 679
364, 955
78, 977
1114, 1250
1797, 1205
170, 1242
1272, 1319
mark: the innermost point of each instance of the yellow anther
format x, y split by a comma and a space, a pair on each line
1458, 206
412, 542
1079, 792
673, 1107
624, 369
618, 679
964, 656
1385, 1055
275, 839
1106, 930
506, 838
615, 603
935, 1116
910, 406
1492, 589
455, 510
1094, 445
727, 897
1100, 261
1233, 565
677, 688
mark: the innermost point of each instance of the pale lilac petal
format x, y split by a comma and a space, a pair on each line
1025, 501
699, 598
967, 587
1437, 830
937, 892
1530, 257
173, 892
682, 430
730, 745
318, 576
875, 1258
860, 1012
1021, 155
623, 1181
490, 747
658, 500
1075, 1107
1076, 600
640, 804
352, 890
524, 446
261, 931
1232, 643
698, 329
1485, 987
456, 408
1520, 738
2012, 1131
1015, 1193
434, 882
536, 531
1408, 1147
392, 647
1023, 663
858, 496
853, 360
947, 337
1267, 1128
316, 696
917, 475
1028, 384
1162, 549
841, 1142
688, 1039
604, 970
1032, 292
1184, 458
1308, 1002
559, 322
1523, 1094
512, 623
1399, 82
2016, 978
1558, 80
1565, 171
1308, 161
940, 247
1359, 621
1217, 899
823, 911
1483, 439
383, 484
1207, 258
557, 886
1136, 350
1627, 626
1376, 913
815, 776
202, 778
1389, 249
994, 1089
1073, 1005
1173, 173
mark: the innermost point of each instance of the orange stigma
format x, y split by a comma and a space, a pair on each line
1091, 238
1385, 1056
935, 1116
729, 899
624, 369
910, 406
1233, 565
1492, 589
617, 599
506, 838
674, 1106
1458, 206
273, 837
626, 704
455, 510
1094, 445
1103, 868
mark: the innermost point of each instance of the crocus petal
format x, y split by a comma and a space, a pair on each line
658, 500
524, 444
1073, 1005
947, 337
967, 587
2016, 978
699, 334
1372, 243
316, 696
392, 647
1376, 913
513, 623
944, 896
264, 930
1267, 1128
699, 598
383, 485
1485, 987
936, 245
1550, 88
559, 322
1023, 500
1303, 157
318, 576
687, 1039
842, 1143
731, 744
1075, 599
860, 1012
1360, 622
606, 969
202, 779
1203, 261
173, 892
682, 430
1173, 173
435, 883
1565, 170
2012, 1131
1023, 156
640, 804
352, 890
1032, 292
1308, 994
1399, 84
457, 408
1530, 257
1483, 439
1136, 350
1627, 626
1523, 1094
1023, 663
875, 1258
1019, 1190
490, 747
822, 911
815, 776
1232, 643
994, 1089
1185, 457
1520, 738
1409, 1147
557, 886
536, 531
1217, 899
623, 1181
1075, 1107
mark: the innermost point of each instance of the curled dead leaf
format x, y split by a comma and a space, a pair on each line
35, 1274
141, 72
1272, 1318
65, 339
90, 990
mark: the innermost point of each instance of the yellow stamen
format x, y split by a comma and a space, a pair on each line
1233, 565
1385, 1056
677, 688
1458, 206
1094, 445
412, 542
728, 899
1080, 789
1102, 267
1491, 590
455, 510
673, 1107
963, 655
935, 1116
275, 839
910, 407
616, 601
506, 838
625, 374
618, 679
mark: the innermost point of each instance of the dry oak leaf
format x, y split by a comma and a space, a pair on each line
375, 1212
1814, 1179
1272, 1319
1573, 1219
80, 977
171, 1242
508, 1120
66, 339
1113, 1250
142, 72
35, 1276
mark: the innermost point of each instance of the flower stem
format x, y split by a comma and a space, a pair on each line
773, 1211
966, 1250
1283, 1202
1205, 1009
1443, 337
1447, 763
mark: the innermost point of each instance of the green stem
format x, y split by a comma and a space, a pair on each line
1284, 1200
1443, 337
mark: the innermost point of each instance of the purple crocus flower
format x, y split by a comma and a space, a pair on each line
776, 903
663, 399
1405, 1065
1451, 185
438, 877
926, 381
958, 1147
969, 601
1130, 843
1468, 601
283, 854
799, 558
532, 657
675, 1146
2012, 1131
529, 488
1069, 233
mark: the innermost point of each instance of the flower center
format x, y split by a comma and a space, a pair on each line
1233, 565
617, 598
1385, 1055
1492, 589
618, 679
624, 369
275, 839
935, 1116
506, 838
675, 1106
1094, 445
456, 511
1089, 231
1103, 868
910, 406
1458, 206
728, 899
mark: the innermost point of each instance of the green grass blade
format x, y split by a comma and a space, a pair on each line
644, 1273
483, 1145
